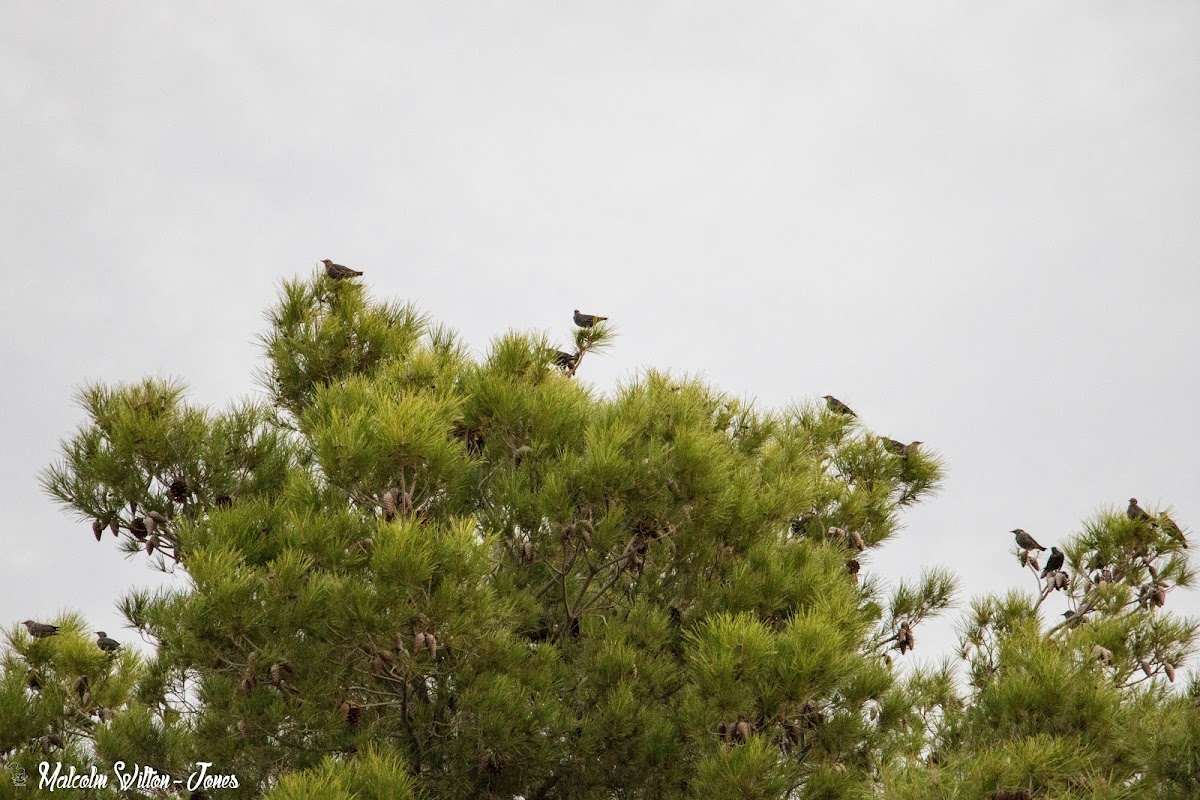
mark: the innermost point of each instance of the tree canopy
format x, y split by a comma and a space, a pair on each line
412, 572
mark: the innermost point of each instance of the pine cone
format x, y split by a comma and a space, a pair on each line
419, 643
243, 729
179, 490
391, 500
856, 541
1103, 655
97, 528
114, 525
743, 731
1145, 665
138, 528
1169, 670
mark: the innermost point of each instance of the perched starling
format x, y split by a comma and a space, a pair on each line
337, 271
587, 320
911, 448
837, 406
563, 360
1054, 562
893, 446
39, 630
1025, 541
1168, 526
106, 644
1136, 512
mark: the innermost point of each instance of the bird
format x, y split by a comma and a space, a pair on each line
1054, 562
893, 446
1136, 512
563, 359
106, 644
1168, 526
337, 271
39, 630
837, 406
587, 320
1025, 541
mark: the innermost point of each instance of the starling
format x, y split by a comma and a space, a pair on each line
1025, 541
106, 644
337, 271
563, 360
911, 448
838, 407
893, 446
1168, 526
1054, 562
1136, 512
39, 630
587, 320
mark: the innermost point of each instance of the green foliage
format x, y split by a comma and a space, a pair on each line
417, 573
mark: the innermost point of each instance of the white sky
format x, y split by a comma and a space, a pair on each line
975, 223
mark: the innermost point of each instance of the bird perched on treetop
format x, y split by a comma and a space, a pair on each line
106, 644
1054, 562
563, 359
1136, 512
40, 630
893, 446
337, 271
837, 406
1168, 526
587, 320
1025, 541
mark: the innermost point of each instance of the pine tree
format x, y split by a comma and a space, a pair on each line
1078, 707
480, 577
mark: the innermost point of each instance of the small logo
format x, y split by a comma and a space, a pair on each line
20, 777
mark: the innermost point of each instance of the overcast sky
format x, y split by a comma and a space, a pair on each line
976, 223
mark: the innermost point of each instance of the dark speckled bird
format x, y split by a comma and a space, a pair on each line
337, 271
587, 320
1168, 526
1136, 512
837, 406
106, 644
1054, 562
1025, 541
40, 630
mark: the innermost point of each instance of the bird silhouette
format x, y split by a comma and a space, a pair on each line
1025, 541
39, 630
1136, 512
337, 271
838, 407
587, 320
1054, 561
106, 644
